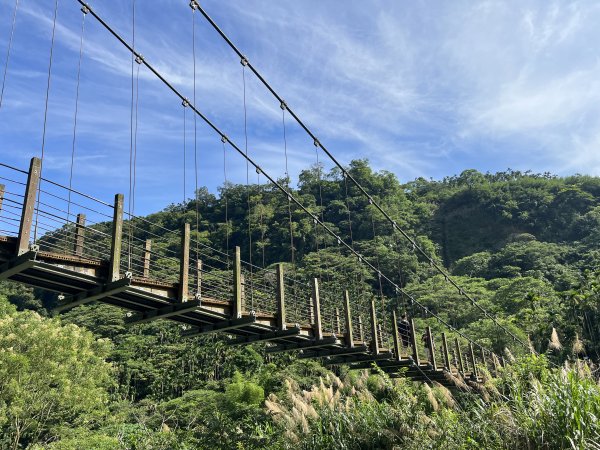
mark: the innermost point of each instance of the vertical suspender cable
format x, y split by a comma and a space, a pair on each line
8, 48
244, 63
194, 7
131, 131
225, 199
85, 12
35, 230
184, 104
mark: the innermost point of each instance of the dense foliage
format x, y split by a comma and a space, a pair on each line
525, 245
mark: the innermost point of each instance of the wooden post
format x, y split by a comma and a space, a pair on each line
199, 278
2, 188
413, 341
31, 190
116, 240
236, 310
338, 329
79, 234
281, 323
147, 254
446, 353
348, 318
374, 336
361, 331
316, 310
483, 363
431, 348
473, 362
461, 366
396, 336
184, 264
495, 364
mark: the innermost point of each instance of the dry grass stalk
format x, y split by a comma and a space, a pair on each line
554, 342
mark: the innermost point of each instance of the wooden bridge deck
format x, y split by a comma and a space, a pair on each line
80, 279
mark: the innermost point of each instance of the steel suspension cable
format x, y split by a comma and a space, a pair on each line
8, 49
278, 185
358, 185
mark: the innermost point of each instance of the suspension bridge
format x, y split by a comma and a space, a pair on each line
86, 250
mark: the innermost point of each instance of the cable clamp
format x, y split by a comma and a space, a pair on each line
339, 241
258, 170
128, 275
283, 105
224, 139
139, 58
85, 9
370, 201
34, 248
61, 297
185, 103
194, 5
316, 143
244, 61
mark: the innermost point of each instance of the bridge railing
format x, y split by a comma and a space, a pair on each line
12, 192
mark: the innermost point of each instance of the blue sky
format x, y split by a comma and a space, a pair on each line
419, 88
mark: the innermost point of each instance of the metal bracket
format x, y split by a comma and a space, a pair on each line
244, 61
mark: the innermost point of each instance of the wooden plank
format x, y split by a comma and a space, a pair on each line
413, 341
325, 342
31, 192
116, 239
318, 330
447, 363
266, 337
374, 330
344, 351
396, 336
79, 234
225, 325
147, 255
184, 265
97, 293
349, 336
280, 294
237, 285
173, 309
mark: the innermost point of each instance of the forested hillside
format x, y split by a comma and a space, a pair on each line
524, 245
